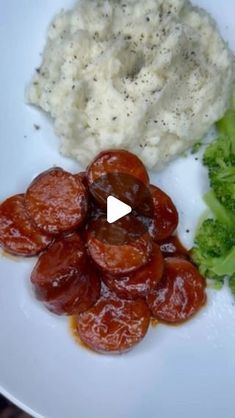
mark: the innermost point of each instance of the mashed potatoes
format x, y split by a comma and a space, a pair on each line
149, 76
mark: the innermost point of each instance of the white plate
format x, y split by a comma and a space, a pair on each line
179, 371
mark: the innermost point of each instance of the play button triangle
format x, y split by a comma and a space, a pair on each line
116, 209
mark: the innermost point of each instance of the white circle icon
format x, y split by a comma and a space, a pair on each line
116, 209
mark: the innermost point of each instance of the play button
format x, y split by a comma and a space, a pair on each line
116, 209
122, 203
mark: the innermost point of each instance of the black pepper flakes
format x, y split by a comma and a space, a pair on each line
36, 127
114, 118
147, 19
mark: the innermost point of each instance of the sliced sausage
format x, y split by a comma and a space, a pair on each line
172, 247
121, 247
113, 325
117, 161
80, 295
64, 279
164, 219
56, 267
57, 201
139, 283
120, 174
179, 294
165, 213
18, 234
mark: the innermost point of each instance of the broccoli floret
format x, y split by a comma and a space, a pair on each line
214, 267
220, 160
214, 238
223, 184
204, 264
214, 250
218, 154
223, 215
214, 247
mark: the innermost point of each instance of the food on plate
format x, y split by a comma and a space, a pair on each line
111, 276
214, 250
150, 77
56, 201
64, 279
121, 174
117, 161
179, 294
164, 209
18, 234
220, 160
164, 219
138, 283
113, 325
78, 297
121, 247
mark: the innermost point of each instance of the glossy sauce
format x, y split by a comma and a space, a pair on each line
74, 332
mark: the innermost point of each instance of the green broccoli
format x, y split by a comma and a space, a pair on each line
214, 238
218, 154
220, 160
222, 214
214, 250
223, 183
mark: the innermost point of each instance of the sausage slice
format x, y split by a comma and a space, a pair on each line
113, 325
57, 201
121, 247
18, 234
180, 293
64, 279
139, 283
